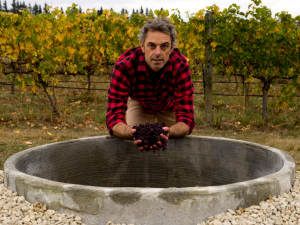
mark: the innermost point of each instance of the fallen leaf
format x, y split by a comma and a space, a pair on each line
0, 132
295, 147
27, 143
55, 139
55, 128
44, 128
241, 209
49, 133
17, 131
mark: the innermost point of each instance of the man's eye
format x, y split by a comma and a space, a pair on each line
152, 46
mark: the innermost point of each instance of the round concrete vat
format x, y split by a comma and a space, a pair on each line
108, 179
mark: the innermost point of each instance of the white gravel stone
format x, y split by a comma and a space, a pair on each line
283, 209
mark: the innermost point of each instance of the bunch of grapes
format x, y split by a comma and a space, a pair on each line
149, 134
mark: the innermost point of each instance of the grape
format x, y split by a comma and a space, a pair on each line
149, 134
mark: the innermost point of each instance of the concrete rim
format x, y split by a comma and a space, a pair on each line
282, 179
288, 168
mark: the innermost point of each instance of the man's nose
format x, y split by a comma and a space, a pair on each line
157, 51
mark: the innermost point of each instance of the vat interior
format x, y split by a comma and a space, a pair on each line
113, 162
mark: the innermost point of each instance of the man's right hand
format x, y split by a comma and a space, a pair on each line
124, 131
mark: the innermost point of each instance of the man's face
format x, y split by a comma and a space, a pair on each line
157, 49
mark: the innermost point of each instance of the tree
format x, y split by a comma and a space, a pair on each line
14, 7
21, 6
141, 10
5, 9
18, 7
1, 7
45, 8
122, 11
111, 9
147, 12
35, 9
100, 12
80, 9
40, 9
30, 8
62, 10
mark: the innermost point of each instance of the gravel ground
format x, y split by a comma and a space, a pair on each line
282, 209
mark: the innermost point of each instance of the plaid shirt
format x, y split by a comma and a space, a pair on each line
173, 91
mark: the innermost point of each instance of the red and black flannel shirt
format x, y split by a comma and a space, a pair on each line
173, 91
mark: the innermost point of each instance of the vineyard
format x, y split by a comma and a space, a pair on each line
252, 48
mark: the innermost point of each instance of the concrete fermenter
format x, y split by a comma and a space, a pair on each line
106, 178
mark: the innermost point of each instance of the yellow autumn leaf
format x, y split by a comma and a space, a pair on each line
71, 50
49, 133
55, 81
27, 142
214, 44
102, 50
34, 89
0, 132
55, 139
17, 131
116, 55
181, 45
2, 40
23, 85
9, 50
83, 50
44, 128
60, 37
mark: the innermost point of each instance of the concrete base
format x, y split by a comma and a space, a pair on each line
107, 179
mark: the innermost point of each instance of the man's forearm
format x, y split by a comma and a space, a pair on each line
122, 130
179, 130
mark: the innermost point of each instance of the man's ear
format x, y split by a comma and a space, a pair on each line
142, 46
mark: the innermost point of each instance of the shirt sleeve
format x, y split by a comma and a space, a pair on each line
117, 98
184, 100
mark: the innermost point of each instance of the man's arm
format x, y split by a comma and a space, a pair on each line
179, 130
122, 130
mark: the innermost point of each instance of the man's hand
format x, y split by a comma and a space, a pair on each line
156, 147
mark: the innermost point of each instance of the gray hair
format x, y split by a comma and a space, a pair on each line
162, 24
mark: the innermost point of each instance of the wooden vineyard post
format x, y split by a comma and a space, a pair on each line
208, 70
12, 88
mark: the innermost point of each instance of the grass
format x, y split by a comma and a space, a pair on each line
27, 119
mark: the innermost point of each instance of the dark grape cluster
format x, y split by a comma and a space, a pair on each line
149, 134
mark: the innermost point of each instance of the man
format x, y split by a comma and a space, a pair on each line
151, 81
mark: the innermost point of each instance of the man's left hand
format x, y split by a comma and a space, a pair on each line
159, 144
